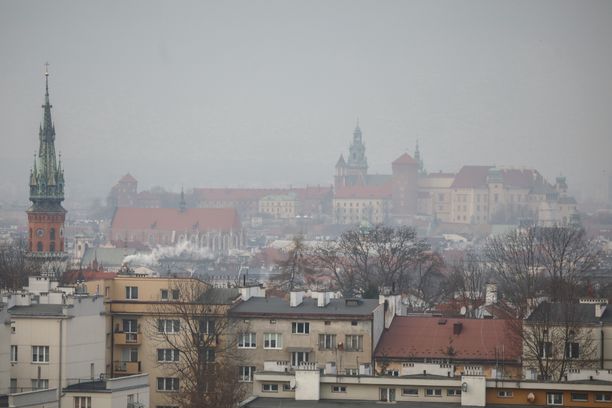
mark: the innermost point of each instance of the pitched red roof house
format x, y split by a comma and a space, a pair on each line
171, 219
416, 337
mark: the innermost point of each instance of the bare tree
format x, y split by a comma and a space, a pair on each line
556, 338
14, 266
466, 282
197, 342
427, 277
295, 267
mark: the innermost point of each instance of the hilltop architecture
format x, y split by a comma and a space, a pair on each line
46, 215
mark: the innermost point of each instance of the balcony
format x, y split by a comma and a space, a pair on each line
126, 339
126, 367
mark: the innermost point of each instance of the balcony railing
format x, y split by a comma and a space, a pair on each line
129, 339
126, 367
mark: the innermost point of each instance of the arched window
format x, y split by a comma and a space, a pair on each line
52, 233
39, 247
52, 247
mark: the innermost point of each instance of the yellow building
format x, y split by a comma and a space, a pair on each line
136, 308
362, 204
279, 205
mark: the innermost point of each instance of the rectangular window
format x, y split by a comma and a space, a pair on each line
40, 354
338, 388
300, 327
131, 292
504, 394
167, 384
175, 294
603, 397
14, 354
287, 387
247, 340
572, 350
269, 387
130, 326
327, 341
353, 342
410, 392
40, 384
164, 294
167, 355
168, 326
298, 357
82, 402
433, 392
246, 374
554, 398
387, 394
545, 349
207, 326
272, 341
580, 396
352, 371
13, 386
453, 392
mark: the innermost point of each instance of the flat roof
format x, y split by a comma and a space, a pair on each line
291, 403
280, 307
37, 310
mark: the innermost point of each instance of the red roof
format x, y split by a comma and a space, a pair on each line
380, 192
312, 192
128, 178
239, 194
172, 219
421, 337
404, 159
471, 177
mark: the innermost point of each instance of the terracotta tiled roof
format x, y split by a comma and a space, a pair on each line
168, 219
471, 177
420, 337
128, 178
312, 192
235, 194
380, 192
404, 159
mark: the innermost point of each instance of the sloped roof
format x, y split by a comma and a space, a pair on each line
264, 307
404, 159
425, 337
128, 178
575, 312
235, 194
171, 219
476, 177
106, 256
471, 177
381, 192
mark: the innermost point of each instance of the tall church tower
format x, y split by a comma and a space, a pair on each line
354, 171
46, 215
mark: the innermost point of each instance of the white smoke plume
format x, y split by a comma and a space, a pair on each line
183, 249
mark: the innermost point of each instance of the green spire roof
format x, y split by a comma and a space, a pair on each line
47, 175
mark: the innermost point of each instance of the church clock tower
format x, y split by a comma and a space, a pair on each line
46, 215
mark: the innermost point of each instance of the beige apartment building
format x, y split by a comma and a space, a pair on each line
332, 334
133, 317
362, 204
283, 206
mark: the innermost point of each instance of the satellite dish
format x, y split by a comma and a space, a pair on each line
531, 397
292, 384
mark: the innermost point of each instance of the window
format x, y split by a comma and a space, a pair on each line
353, 343
40, 354
269, 387
13, 386
13, 354
327, 341
354, 323
580, 396
298, 357
328, 322
287, 387
82, 402
300, 327
387, 394
166, 355
352, 371
175, 294
130, 326
208, 355
554, 398
504, 394
247, 340
207, 326
167, 384
164, 294
572, 350
453, 392
168, 326
272, 321
40, 384
338, 388
545, 349
246, 374
433, 392
272, 341
603, 397
131, 292
410, 392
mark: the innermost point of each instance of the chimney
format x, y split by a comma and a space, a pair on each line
491, 294
296, 298
600, 309
457, 328
323, 299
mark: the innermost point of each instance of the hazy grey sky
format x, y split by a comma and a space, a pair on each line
267, 92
